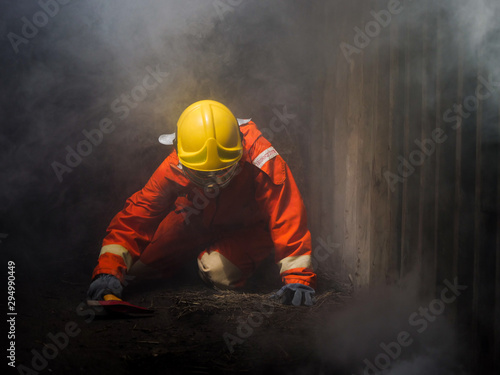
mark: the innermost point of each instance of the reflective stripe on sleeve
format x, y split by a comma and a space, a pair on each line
118, 250
288, 263
264, 157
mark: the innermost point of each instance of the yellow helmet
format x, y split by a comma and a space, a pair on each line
208, 137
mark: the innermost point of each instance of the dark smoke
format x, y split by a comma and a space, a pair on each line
468, 45
73, 75
391, 330
255, 57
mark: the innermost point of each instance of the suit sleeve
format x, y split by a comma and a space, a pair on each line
133, 228
279, 198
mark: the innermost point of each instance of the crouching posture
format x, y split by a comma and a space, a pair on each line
223, 196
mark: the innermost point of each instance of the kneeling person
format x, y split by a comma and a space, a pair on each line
223, 196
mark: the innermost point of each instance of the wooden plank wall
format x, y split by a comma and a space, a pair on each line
442, 221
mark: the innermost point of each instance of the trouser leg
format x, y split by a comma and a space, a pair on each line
225, 259
174, 243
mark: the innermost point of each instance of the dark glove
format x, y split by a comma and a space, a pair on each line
104, 284
296, 294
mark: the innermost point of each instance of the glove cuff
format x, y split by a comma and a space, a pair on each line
111, 264
299, 276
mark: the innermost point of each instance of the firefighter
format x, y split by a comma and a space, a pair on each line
223, 196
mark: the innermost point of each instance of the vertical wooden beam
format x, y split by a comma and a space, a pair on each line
437, 121
380, 200
497, 271
367, 133
405, 265
428, 174
476, 307
396, 119
467, 174
322, 213
352, 182
458, 173
352, 142
487, 170
414, 158
337, 118
448, 47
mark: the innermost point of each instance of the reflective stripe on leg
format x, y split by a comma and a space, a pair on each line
118, 250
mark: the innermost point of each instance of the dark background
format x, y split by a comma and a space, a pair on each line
349, 121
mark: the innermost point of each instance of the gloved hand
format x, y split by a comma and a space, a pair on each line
296, 294
104, 284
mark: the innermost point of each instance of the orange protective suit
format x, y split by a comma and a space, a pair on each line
171, 220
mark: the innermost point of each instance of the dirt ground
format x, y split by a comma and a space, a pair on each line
194, 330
